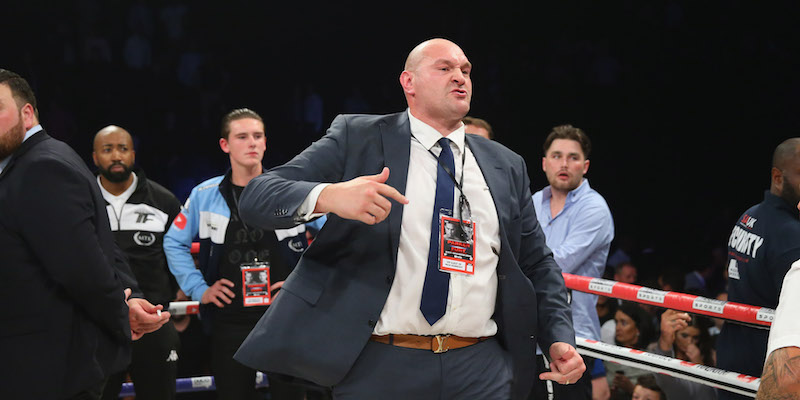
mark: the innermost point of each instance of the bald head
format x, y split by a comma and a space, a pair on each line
785, 174
785, 153
114, 157
419, 52
112, 130
437, 84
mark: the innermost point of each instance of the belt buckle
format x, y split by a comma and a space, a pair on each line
440, 345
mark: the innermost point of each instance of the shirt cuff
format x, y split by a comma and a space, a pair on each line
306, 212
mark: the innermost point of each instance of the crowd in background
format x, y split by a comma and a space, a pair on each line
167, 71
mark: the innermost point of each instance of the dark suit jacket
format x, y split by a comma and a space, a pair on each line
64, 323
328, 307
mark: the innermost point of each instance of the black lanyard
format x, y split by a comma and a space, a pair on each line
462, 199
253, 245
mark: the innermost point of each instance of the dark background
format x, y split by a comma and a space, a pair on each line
684, 100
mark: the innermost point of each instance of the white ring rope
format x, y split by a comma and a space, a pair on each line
715, 377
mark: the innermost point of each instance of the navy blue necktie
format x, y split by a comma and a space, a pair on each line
437, 283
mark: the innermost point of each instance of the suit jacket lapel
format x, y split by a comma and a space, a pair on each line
496, 177
396, 139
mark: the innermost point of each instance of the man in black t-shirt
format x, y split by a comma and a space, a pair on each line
230, 250
763, 245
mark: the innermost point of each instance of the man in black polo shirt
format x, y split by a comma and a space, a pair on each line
763, 245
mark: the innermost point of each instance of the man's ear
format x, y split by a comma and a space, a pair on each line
777, 178
28, 117
585, 167
407, 82
223, 144
94, 158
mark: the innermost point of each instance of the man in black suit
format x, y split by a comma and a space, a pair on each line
377, 308
67, 322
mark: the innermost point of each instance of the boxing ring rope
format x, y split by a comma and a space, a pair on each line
758, 317
710, 376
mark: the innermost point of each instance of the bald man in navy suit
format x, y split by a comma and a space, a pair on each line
380, 305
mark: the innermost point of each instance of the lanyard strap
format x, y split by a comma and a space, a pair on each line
462, 198
253, 245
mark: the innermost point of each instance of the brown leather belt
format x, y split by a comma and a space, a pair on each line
436, 344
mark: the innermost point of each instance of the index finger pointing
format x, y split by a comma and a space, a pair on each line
392, 193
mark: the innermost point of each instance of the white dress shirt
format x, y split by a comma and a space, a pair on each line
471, 298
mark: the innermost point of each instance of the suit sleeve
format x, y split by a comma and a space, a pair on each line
178, 246
270, 201
61, 229
537, 263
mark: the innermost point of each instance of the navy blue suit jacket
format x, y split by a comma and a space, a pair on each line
64, 324
330, 304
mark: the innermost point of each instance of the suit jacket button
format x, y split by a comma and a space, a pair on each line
371, 323
388, 280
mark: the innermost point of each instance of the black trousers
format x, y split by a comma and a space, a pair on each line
382, 371
580, 390
153, 368
234, 381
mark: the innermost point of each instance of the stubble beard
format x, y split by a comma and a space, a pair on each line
11, 140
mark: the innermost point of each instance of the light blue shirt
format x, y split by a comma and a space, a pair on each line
579, 236
28, 134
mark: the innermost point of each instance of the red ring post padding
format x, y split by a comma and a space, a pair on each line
678, 301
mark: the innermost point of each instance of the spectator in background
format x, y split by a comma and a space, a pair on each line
647, 388
626, 272
761, 248
697, 280
140, 212
228, 249
578, 228
685, 337
670, 280
477, 126
634, 329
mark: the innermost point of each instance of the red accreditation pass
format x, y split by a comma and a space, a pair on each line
255, 284
456, 245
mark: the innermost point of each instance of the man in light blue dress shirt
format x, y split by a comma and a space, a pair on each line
578, 228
